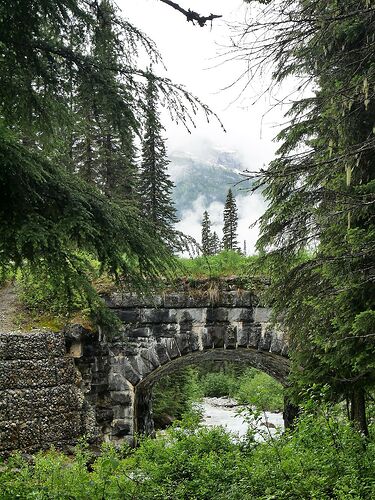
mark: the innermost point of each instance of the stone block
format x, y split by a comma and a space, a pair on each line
206, 339
117, 381
265, 340
156, 316
8, 436
240, 314
183, 341
120, 427
172, 347
162, 353
230, 341
104, 414
194, 315
150, 356
130, 374
122, 412
216, 314
243, 335
121, 397
129, 315
185, 327
174, 300
141, 366
139, 332
276, 344
217, 334
167, 330
254, 334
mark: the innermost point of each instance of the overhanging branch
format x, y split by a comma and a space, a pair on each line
192, 16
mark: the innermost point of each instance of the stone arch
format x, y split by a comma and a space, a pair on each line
273, 364
168, 331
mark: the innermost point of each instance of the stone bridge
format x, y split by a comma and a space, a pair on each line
161, 335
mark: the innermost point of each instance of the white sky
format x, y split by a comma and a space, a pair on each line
189, 52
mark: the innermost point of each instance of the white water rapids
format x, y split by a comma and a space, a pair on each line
225, 412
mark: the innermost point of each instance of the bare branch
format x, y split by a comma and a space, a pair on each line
192, 16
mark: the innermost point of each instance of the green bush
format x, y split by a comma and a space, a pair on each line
323, 459
260, 390
174, 395
218, 384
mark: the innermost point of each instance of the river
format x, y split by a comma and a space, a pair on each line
226, 412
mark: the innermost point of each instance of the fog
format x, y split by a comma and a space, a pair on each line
190, 54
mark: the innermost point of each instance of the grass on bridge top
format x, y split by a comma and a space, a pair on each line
224, 264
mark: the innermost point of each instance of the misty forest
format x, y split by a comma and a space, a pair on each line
187, 305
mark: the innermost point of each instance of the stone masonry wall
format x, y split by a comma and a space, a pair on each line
55, 387
41, 403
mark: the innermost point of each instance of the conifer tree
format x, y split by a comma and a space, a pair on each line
154, 183
320, 193
215, 243
230, 223
206, 234
116, 150
61, 93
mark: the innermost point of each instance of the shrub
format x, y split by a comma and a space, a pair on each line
260, 390
218, 384
323, 459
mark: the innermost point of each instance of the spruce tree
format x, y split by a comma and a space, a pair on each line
230, 223
206, 234
215, 243
320, 193
154, 182
115, 143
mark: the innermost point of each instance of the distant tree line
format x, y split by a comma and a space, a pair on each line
211, 244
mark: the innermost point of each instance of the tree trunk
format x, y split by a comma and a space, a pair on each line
358, 410
290, 413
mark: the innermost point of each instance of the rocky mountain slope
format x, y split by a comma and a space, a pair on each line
208, 175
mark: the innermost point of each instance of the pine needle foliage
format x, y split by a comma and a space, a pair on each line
206, 234
71, 102
230, 223
155, 184
321, 190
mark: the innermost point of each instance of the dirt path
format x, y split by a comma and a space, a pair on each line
9, 307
